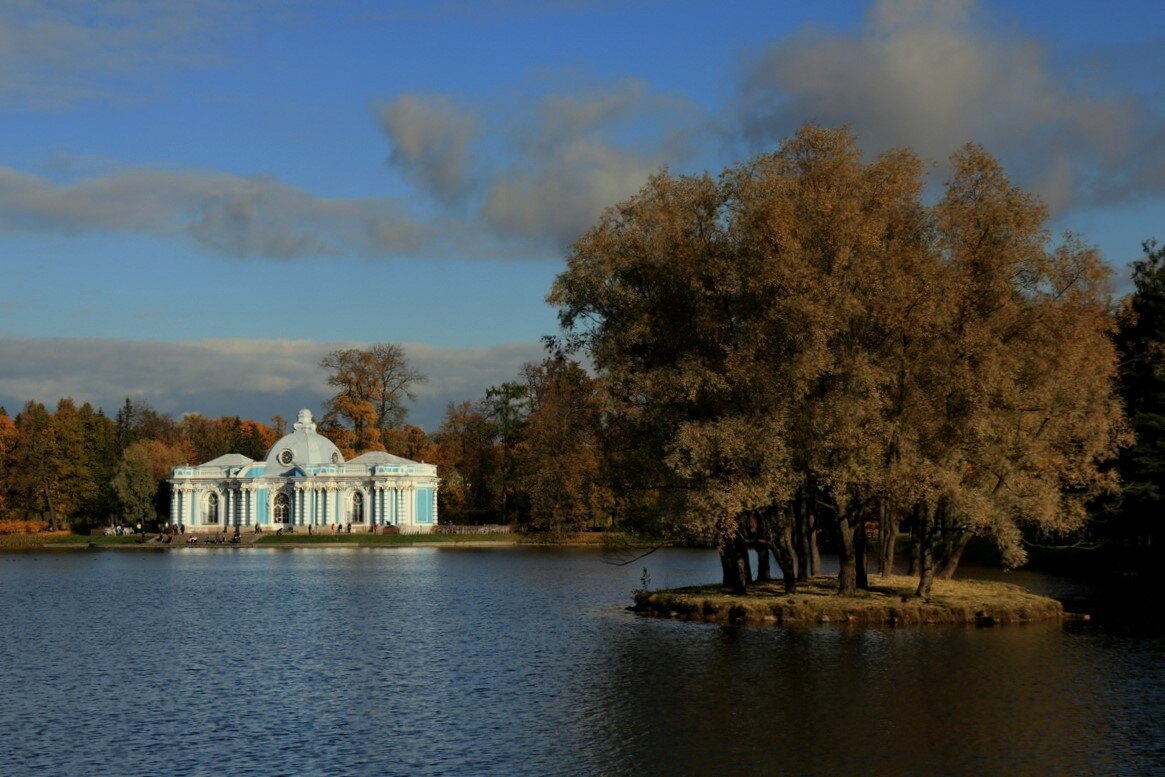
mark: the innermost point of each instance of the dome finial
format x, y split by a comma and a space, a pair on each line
304, 421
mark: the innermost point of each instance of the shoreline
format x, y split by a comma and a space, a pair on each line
889, 602
69, 542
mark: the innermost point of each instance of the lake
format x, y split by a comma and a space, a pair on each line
211, 661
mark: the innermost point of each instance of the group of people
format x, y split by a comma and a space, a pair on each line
338, 528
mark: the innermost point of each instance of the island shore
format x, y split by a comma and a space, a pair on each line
890, 601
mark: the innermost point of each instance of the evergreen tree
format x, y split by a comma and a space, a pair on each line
1140, 342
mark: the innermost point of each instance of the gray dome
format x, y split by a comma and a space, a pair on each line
304, 446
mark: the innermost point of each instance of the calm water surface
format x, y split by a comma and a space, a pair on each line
522, 661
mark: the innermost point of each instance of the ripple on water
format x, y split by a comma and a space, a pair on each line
520, 661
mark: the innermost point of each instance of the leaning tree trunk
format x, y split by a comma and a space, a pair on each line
954, 552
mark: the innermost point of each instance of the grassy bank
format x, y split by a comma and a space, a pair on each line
65, 540
364, 538
890, 601
20, 540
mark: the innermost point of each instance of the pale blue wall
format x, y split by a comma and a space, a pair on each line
424, 505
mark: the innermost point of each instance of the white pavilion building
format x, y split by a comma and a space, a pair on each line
304, 481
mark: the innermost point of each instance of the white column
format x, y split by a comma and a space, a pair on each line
174, 497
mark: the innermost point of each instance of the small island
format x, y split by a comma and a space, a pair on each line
888, 601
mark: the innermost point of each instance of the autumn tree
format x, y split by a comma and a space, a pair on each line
805, 337
373, 385
467, 459
410, 442
560, 465
33, 471
8, 440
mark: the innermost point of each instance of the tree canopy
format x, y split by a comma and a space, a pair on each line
806, 331
373, 384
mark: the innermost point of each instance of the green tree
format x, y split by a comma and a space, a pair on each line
506, 406
135, 486
1140, 339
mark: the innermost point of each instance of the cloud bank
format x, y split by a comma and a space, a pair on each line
53, 55
250, 378
230, 215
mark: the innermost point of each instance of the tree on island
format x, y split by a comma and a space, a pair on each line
803, 338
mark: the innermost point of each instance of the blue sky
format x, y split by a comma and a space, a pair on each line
199, 199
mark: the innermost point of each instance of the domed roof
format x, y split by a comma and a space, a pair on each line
304, 446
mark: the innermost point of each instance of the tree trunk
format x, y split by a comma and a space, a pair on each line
925, 553
734, 564
887, 538
764, 571
763, 544
915, 542
800, 541
786, 550
861, 578
954, 552
809, 555
847, 574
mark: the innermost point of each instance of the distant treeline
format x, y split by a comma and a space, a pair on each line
527, 452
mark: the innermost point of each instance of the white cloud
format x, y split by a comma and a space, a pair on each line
432, 141
578, 152
934, 75
56, 54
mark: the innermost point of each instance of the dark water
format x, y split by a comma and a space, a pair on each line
522, 661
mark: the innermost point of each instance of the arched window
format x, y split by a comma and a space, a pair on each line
282, 509
357, 507
212, 508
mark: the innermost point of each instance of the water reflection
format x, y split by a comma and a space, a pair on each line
522, 661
